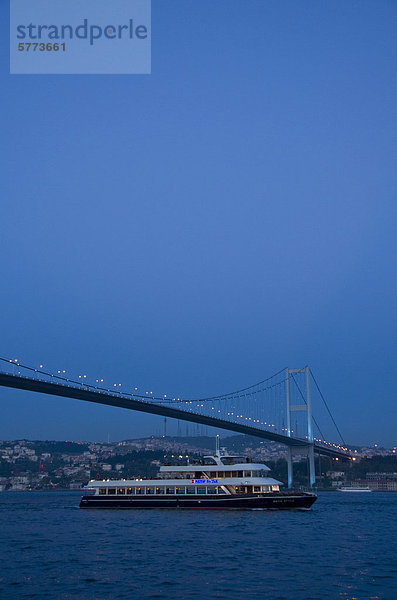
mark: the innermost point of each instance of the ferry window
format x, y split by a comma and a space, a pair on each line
111, 491
150, 490
140, 490
221, 491
248, 473
265, 488
130, 491
121, 491
102, 491
171, 490
160, 490
180, 490
190, 490
257, 488
201, 490
211, 490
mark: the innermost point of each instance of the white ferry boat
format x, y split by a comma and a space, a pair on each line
354, 489
220, 481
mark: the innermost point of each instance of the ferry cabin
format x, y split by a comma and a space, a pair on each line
219, 475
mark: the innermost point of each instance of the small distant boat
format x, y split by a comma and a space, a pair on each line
354, 489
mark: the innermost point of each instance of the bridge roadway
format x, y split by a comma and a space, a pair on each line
103, 397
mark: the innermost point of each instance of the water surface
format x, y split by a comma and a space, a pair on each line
343, 549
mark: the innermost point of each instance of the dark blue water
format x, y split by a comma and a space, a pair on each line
344, 548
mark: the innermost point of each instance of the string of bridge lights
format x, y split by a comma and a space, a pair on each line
82, 381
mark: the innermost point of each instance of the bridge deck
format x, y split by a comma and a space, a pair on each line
120, 401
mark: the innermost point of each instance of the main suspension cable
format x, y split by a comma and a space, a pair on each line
326, 406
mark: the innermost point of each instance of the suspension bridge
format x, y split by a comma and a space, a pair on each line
277, 409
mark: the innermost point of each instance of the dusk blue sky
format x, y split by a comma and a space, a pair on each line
195, 230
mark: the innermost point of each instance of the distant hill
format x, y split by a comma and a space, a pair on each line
235, 443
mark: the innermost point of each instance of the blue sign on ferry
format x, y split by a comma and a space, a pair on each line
204, 481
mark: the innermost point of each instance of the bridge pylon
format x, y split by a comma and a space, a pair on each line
308, 449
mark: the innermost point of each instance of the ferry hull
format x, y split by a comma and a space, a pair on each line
296, 500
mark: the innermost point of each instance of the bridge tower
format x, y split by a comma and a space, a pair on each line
306, 407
